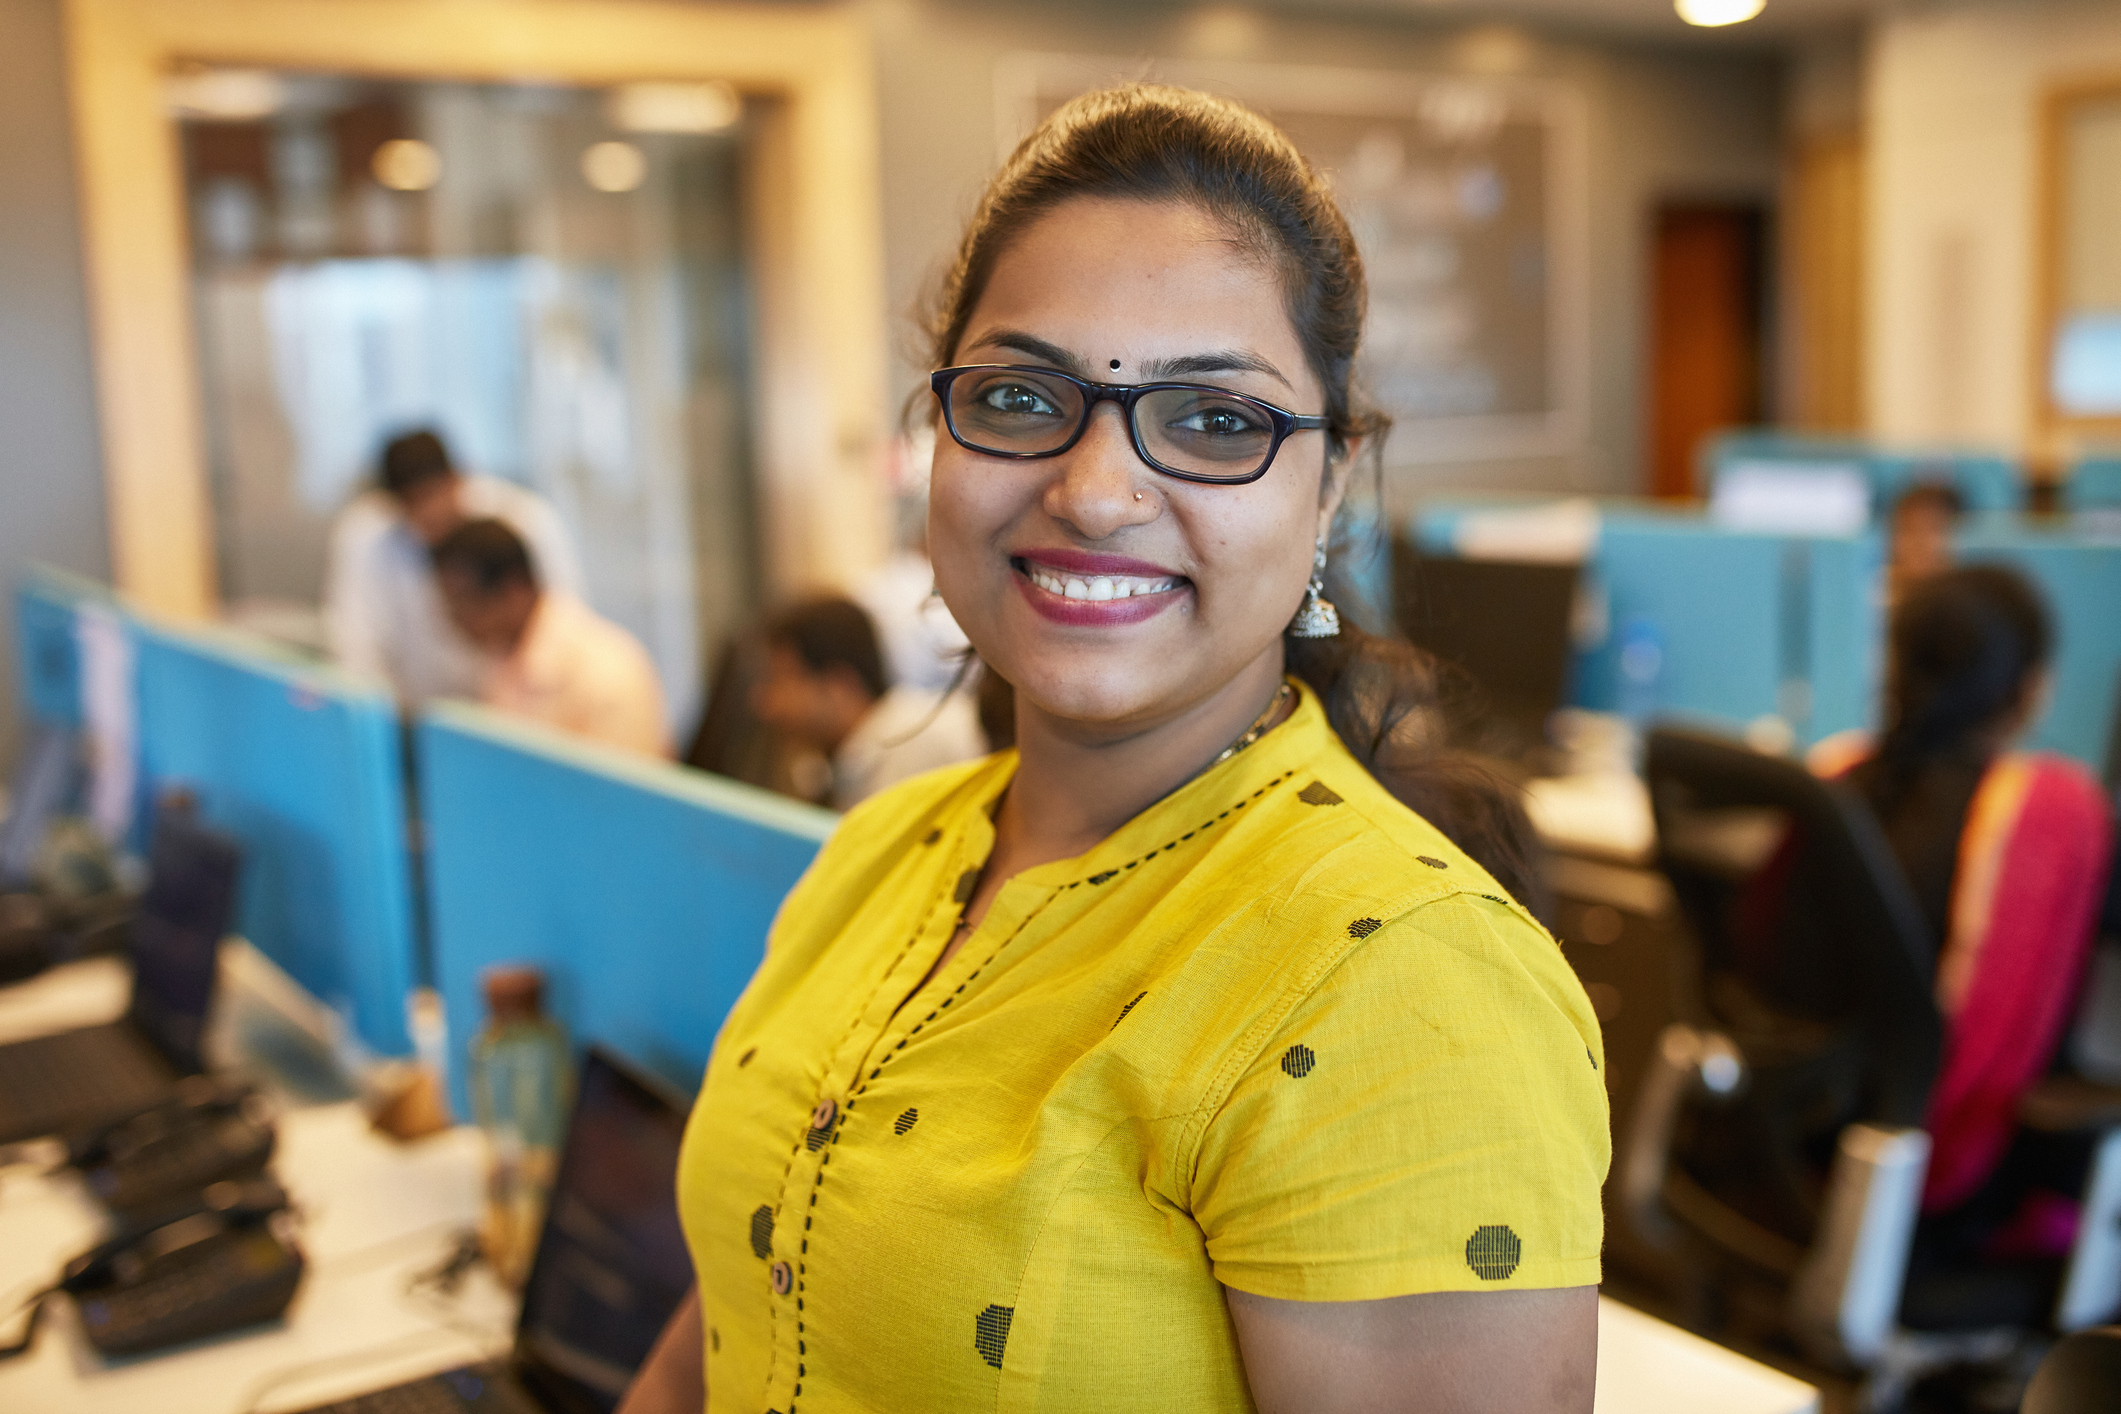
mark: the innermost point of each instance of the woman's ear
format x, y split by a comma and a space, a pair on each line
1333, 484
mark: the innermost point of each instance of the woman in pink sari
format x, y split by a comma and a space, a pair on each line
2008, 853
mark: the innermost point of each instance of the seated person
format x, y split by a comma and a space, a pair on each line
1919, 540
381, 607
547, 655
824, 687
2008, 854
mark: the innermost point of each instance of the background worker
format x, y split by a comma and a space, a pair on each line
543, 653
825, 687
382, 610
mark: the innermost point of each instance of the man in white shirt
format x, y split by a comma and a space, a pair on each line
381, 605
544, 654
824, 687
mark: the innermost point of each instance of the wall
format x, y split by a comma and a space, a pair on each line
51, 486
1662, 123
1954, 107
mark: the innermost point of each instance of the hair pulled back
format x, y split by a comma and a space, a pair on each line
1965, 646
1150, 143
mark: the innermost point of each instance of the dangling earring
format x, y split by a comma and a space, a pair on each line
1316, 617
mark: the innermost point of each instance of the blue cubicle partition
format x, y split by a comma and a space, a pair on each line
2094, 485
1749, 624
48, 649
1986, 481
2081, 578
306, 768
643, 890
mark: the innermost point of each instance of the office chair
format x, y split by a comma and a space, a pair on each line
1776, 1148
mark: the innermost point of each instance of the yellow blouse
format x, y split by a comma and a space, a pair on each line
1276, 1033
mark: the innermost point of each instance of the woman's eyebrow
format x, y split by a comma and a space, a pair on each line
1220, 361
1032, 346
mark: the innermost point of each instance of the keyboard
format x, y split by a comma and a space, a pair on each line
75, 1078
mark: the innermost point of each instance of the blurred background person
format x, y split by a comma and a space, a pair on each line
1919, 539
382, 611
2008, 853
545, 654
824, 686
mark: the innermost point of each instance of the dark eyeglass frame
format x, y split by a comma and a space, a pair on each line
1286, 424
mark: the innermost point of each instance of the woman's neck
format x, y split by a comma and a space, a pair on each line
1075, 787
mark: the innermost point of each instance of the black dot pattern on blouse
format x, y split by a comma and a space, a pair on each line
1296, 1062
1125, 1009
1364, 927
907, 1119
990, 1333
1318, 793
761, 1230
1493, 1252
1432, 861
967, 885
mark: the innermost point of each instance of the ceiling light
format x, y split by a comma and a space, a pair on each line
673, 107
613, 166
406, 164
1711, 13
225, 95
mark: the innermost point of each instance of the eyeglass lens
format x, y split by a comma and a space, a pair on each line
1193, 431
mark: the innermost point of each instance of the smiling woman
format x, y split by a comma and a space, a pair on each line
1170, 1060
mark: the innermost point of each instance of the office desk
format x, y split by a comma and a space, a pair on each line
374, 1213
1648, 1367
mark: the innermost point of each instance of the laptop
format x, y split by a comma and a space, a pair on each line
91, 1076
610, 1269
1505, 623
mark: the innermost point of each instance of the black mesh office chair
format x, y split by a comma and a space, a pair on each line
1776, 1148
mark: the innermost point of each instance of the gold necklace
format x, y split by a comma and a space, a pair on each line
1259, 728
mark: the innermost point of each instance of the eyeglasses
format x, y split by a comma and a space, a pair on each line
1187, 430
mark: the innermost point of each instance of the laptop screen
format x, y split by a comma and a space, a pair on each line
611, 1264
191, 891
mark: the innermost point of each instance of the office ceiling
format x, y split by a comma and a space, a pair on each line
1782, 22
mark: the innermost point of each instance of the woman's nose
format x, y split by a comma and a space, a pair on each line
1100, 480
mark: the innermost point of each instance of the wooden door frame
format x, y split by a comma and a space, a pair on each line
2058, 436
814, 233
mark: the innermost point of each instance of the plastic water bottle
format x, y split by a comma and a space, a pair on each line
521, 1076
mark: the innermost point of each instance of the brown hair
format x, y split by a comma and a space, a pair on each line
1385, 698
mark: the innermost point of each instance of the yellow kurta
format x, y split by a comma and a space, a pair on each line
1276, 1033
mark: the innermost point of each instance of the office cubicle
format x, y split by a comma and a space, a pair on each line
1986, 481
2081, 579
305, 767
48, 644
1747, 624
643, 890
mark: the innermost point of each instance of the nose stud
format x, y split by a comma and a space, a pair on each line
1137, 495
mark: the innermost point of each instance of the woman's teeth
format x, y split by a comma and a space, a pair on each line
1069, 586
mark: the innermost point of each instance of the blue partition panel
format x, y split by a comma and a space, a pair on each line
1986, 480
2082, 581
643, 890
306, 769
1748, 623
48, 650
2093, 485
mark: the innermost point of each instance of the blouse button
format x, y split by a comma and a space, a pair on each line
783, 1278
821, 1117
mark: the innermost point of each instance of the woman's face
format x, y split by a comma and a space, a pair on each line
1202, 578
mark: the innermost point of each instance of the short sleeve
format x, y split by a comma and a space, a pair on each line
1431, 1117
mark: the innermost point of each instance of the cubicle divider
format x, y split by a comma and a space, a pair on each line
1746, 624
644, 891
2081, 579
48, 645
305, 767
1986, 481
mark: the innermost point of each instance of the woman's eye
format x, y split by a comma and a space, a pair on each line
1219, 422
1017, 398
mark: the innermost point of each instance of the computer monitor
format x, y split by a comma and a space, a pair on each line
1506, 624
175, 939
611, 1264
